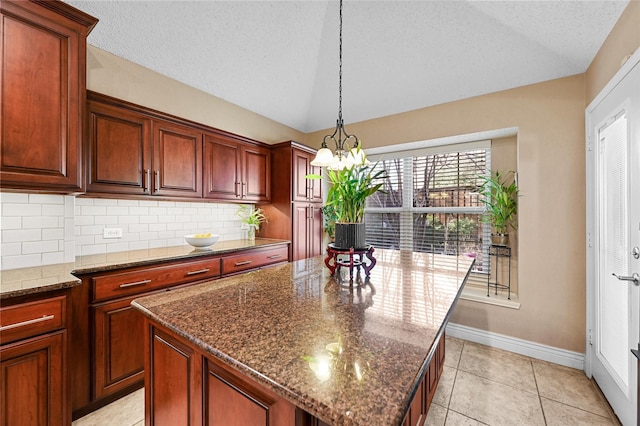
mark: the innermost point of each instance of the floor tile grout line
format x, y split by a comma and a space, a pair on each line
535, 379
500, 383
455, 379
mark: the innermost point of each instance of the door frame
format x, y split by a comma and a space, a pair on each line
591, 204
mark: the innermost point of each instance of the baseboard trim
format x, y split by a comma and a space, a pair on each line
519, 346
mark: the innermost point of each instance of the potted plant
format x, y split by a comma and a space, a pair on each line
252, 217
501, 205
350, 188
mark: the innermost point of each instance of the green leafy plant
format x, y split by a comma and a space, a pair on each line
501, 201
251, 216
329, 217
350, 188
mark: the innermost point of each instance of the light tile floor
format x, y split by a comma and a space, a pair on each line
479, 386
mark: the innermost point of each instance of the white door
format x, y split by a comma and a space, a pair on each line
613, 240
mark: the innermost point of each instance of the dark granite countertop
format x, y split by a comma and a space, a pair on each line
345, 356
40, 279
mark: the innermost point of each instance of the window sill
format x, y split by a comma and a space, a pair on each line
475, 294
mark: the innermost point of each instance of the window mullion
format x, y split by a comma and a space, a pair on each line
406, 216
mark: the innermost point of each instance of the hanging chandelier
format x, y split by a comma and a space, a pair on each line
347, 152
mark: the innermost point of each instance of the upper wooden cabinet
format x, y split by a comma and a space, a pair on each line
134, 150
130, 153
177, 160
118, 151
42, 92
305, 189
236, 171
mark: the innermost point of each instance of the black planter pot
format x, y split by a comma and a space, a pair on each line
351, 235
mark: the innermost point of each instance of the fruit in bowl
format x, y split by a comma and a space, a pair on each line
203, 240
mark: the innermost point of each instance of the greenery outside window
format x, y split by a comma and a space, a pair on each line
432, 202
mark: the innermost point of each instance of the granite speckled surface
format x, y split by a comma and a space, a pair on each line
40, 279
350, 357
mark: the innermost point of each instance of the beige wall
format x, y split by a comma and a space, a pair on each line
117, 77
623, 40
550, 139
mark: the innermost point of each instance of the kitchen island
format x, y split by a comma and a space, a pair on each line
292, 345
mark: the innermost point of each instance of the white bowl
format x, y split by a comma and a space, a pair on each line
201, 242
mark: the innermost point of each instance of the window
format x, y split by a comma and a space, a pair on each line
432, 202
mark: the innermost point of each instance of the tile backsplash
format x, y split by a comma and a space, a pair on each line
46, 229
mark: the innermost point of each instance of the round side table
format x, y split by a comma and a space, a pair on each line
352, 258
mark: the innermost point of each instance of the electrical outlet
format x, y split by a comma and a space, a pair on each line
112, 233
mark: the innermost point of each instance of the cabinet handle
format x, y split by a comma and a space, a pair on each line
274, 256
245, 262
135, 283
244, 189
27, 322
146, 180
157, 175
419, 422
238, 194
200, 271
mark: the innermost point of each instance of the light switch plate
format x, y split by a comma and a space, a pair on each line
112, 233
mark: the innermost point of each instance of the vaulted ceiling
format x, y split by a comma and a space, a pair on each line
280, 58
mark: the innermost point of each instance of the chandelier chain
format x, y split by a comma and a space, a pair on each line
340, 69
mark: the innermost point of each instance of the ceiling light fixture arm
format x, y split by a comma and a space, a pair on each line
343, 141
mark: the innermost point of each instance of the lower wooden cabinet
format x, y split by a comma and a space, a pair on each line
33, 381
33, 361
119, 351
427, 388
175, 373
254, 259
307, 230
185, 387
108, 357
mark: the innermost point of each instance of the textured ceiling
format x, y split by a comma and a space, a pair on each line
280, 58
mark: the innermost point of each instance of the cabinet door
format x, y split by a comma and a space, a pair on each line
316, 185
316, 246
119, 151
173, 386
42, 90
32, 381
177, 160
222, 168
256, 185
119, 349
301, 168
231, 400
307, 230
300, 235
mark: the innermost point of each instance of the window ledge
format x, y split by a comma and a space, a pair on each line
480, 295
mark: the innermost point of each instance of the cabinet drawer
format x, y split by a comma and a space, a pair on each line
122, 284
32, 318
254, 259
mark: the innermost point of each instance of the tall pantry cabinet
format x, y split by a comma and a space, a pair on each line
295, 212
